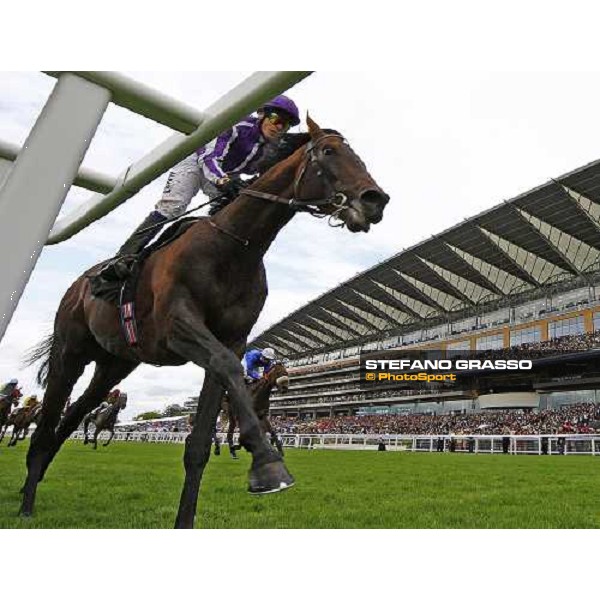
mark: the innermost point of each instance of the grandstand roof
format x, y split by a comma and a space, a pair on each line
547, 235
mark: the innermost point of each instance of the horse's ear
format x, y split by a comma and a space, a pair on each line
313, 128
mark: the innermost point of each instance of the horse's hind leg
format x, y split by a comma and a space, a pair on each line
62, 376
44, 447
110, 371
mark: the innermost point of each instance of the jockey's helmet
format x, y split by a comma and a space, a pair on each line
268, 353
13, 381
285, 104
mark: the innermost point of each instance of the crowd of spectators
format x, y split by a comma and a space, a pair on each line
572, 418
566, 344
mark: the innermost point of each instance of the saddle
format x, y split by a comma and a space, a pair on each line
120, 289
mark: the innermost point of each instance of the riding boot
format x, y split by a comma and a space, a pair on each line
142, 235
117, 270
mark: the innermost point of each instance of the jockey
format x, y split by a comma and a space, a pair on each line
216, 169
30, 402
256, 359
8, 388
113, 396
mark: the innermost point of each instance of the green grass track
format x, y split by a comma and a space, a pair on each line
137, 485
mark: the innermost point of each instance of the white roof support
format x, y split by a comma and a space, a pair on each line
86, 178
37, 184
35, 179
143, 100
228, 110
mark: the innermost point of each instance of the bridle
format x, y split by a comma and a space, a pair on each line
337, 200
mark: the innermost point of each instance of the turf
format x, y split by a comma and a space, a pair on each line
131, 485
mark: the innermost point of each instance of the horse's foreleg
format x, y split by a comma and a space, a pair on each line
197, 450
96, 434
268, 428
110, 437
191, 339
230, 431
86, 426
217, 443
13, 437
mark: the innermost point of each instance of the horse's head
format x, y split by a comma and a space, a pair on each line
332, 170
278, 377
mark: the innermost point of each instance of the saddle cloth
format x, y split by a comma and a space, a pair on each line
121, 291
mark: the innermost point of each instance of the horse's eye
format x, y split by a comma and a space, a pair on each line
327, 151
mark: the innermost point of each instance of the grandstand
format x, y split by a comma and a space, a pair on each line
524, 273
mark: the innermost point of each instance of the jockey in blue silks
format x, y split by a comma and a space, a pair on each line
255, 360
216, 168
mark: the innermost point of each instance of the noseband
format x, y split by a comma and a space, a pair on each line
337, 200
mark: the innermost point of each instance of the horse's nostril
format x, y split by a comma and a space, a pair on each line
373, 196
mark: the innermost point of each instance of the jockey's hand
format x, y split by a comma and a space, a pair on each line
229, 187
248, 379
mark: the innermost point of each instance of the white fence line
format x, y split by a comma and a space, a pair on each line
477, 444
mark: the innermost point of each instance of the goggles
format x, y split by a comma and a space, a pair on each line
278, 120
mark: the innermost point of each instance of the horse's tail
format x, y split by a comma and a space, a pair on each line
41, 352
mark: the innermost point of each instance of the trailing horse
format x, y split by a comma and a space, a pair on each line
6, 404
105, 419
197, 300
260, 390
21, 420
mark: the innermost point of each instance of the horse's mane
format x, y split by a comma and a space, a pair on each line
289, 144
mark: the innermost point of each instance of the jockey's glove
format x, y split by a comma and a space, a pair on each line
230, 188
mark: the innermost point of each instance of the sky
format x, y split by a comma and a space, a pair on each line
444, 145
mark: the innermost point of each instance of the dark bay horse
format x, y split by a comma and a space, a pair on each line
105, 419
7, 401
197, 300
260, 390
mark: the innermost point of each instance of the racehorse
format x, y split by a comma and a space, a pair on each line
7, 401
21, 420
104, 420
197, 300
260, 390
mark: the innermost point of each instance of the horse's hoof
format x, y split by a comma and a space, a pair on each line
270, 478
217, 451
26, 514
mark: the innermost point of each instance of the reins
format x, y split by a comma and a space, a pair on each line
337, 200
